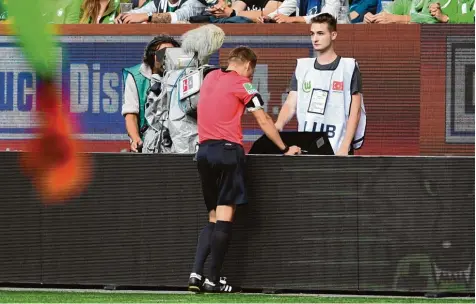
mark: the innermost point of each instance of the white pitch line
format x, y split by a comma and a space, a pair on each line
159, 292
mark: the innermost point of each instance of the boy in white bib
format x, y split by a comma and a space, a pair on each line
326, 92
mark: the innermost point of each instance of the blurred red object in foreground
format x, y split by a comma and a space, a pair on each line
58, 171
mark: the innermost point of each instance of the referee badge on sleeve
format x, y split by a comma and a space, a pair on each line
249, 88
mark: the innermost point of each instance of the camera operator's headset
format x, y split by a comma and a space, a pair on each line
149, 51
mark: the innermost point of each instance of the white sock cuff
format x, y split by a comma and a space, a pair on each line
195, 275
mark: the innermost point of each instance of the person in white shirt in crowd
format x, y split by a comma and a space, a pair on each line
164, 11
251, 9
304, 10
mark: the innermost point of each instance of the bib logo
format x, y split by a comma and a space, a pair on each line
250, 89
306, 86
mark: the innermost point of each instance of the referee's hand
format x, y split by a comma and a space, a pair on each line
293, 150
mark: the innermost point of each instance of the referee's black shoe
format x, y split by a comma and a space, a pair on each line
195, 282
222, 287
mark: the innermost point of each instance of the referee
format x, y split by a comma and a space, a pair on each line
224, 95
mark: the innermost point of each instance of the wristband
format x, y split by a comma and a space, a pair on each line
233, 13
149, 19
285, 150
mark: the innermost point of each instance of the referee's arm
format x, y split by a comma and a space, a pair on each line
289, 107
255, 106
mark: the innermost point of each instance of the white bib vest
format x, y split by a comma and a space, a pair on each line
324, 99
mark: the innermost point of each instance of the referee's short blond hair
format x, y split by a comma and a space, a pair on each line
243, 54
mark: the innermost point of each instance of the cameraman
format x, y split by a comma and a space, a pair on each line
136, 84
221, 159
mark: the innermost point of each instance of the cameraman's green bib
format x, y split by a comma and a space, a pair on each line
142, 85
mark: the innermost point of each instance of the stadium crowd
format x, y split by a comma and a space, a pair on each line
253, 11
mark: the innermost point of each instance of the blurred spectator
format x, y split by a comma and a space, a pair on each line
454, 11
99, 11
397, 12
403, 11
304, 9
164, 11
358, 9
252, 9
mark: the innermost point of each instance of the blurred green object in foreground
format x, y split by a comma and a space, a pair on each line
35, 35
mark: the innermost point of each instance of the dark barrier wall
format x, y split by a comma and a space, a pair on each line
418, 81
313, 223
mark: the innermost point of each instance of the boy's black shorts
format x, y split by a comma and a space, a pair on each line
221, 165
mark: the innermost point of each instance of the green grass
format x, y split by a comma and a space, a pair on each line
116, 297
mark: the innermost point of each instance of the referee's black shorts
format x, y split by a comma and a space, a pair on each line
221, 165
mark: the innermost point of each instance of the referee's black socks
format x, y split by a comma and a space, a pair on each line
219, 246
203, 247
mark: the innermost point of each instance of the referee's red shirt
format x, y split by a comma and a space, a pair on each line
223, 97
